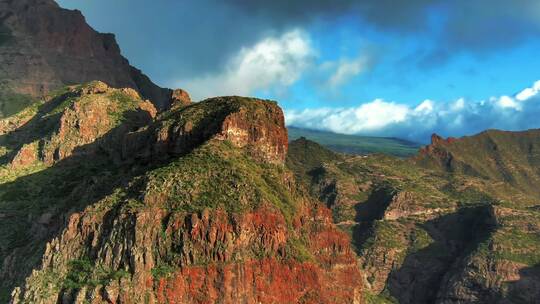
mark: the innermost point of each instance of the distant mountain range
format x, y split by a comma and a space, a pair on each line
356, 144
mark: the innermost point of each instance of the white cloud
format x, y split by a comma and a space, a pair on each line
271, 63
509, 102
346, 69
529, 92
457, 118
425, 107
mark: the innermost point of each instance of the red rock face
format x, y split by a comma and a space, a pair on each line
253, 124
436, 142
49, 47
257, 281
180, 98
281, 247
332, 277
27, 155
437, 153
266, 137
216, 262
92, 116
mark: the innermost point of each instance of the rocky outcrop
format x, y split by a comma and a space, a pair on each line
255, 125
44, 47
195, 206
504, 269
495, 155
404, 205
436, 236
197, 258
81, 116
263, 132
180, 98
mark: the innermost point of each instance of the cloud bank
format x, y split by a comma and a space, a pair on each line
272, 62
200, 37
417, 123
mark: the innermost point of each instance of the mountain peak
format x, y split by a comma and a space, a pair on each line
494, 154
254, 124
439, 140
196, 189
45, 47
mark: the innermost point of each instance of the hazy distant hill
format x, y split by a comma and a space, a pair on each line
355, 144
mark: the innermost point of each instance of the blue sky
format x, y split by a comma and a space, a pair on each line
323, 60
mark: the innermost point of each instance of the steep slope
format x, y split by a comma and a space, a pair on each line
355, 144
44, 47
193, 206
510, 157
428, 236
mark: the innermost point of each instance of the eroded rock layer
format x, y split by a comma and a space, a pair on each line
191, 205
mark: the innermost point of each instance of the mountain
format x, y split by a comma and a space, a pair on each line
427, 234
44, 47
355, 144
104, 200
118, 191
509, 157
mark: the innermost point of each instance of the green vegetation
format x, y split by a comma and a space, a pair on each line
509, 158
297, 249
382, 298
354, 144
83, 273
191, 182
518, 246
12, 103
305, 155
420, 239
162, 271
5, 294
387, 234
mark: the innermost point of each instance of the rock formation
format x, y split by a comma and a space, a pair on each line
44, 47
192, 205
496, 155
436, 234
180, 98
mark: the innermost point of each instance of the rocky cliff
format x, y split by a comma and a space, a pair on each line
44, 47
432, 235
509, 157
191, 205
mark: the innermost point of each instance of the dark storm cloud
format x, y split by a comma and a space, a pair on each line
391, 14
197, 37
465, 25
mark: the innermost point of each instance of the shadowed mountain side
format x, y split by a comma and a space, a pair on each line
35, 208
44, 47
526, 289
135, 213
426, 235
454, 237
509, 157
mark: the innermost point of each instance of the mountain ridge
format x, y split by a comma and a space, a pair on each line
355, 144
118, 191
137, 216
46, 47
424, 234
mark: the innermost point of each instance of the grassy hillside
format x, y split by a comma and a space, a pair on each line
354, 144
500, 156
452, 232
